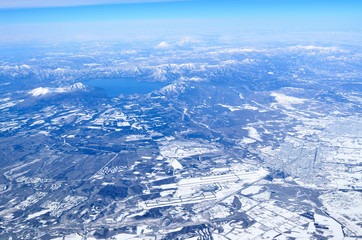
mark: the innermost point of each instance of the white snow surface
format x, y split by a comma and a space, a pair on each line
178, 149
334, 227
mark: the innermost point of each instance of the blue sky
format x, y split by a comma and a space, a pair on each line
24, 20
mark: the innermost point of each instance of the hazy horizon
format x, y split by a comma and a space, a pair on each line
147, 21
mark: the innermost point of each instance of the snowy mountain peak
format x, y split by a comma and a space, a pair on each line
163, 45
186, 41
45, 90
39, 91
77, 86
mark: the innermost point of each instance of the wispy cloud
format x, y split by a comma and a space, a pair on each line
68, 3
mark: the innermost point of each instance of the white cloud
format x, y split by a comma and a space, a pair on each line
67, 3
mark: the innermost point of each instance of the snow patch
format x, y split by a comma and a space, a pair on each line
37, 123
253, 133
251, 190
247, 140
231, 108
175, 164
37, 214
287, 101
238, 108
